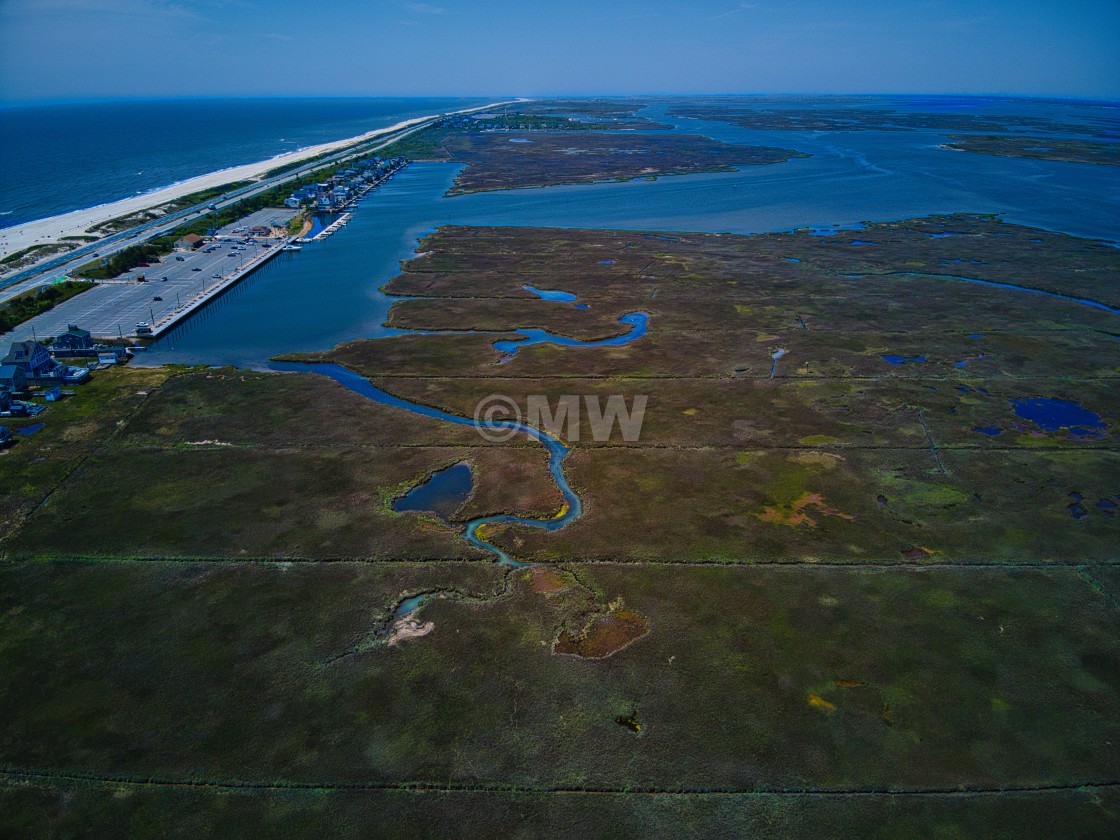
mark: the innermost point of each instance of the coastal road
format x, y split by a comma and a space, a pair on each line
51, 270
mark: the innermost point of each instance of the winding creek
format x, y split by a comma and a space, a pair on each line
637, 321
475, 528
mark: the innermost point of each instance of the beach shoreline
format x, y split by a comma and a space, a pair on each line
77, 222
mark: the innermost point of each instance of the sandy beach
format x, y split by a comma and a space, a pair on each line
76, 222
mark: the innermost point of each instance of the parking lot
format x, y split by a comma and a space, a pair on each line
114, 308
269, 217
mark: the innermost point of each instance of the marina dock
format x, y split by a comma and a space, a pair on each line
332, 227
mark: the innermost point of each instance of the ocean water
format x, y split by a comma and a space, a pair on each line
58, 158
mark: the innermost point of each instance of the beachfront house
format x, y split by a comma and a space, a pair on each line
12, 379
188, 243
33, 359
32, 362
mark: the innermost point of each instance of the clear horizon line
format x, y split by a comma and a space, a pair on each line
30, 102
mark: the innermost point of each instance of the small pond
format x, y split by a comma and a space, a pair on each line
442, 494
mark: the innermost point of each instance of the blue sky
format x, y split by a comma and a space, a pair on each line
75, 49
